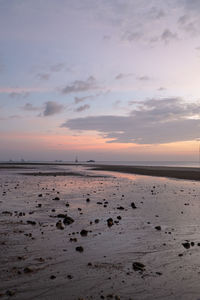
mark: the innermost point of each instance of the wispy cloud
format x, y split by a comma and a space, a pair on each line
122, 76
82, 108
57, 67
168, 36
30, 107
81, 86
43, 76
143, 78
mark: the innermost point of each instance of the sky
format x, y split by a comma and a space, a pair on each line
99, 79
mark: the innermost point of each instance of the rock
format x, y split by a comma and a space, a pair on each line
120, 207
110, 222
59, 225
186, 245
52, 277
159, 273
28, 270
133, 205
62, 216
79, 249
68, 220
138, 266
88, 200
158, 228
69, 276
40, 195
192, 244
56, 198
31, 222
10, 293
96, 221
83, 232
119, 217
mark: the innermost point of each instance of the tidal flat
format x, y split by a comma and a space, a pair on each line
70, 232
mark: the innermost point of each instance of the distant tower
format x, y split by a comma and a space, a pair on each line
76, 159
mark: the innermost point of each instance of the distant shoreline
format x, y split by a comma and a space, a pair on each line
161, 171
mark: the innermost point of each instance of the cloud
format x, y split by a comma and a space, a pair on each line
143, 78
57, 67
81, 86
151, 122
43, 76
22, 94
121, 76
82, 108
52, 108
81, 99
168, 36
89, 97
30, 107
132, 36
160, 89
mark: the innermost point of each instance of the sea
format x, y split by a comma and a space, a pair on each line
189, 164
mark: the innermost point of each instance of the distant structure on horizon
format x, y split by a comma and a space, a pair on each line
91, 161
76, 159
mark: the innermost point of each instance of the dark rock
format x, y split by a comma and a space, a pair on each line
159, 273
96, 221
110, 222
59, 225
79, 249
10, 293
158, 228
138, 266
192, 244
133, 205
120, 207
186, 245
83, 232
88, 200
52, 277
69, 276
28, 270
40, 195
119, 217
31, 222
68, 220
56, 198
62, 216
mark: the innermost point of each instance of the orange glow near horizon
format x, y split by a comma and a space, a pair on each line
95, 143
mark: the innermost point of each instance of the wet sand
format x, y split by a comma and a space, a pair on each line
101, 235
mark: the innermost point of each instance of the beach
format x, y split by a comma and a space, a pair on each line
99, 232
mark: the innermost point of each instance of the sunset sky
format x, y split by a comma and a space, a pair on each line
101, 79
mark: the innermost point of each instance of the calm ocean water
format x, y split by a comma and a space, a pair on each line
194, 164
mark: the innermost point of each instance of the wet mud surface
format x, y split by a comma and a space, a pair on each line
118, 236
